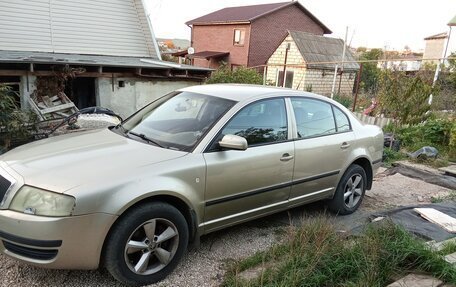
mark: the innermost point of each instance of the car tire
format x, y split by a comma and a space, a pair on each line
350, 191
146, 244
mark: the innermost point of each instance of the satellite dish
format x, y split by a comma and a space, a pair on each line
191, 50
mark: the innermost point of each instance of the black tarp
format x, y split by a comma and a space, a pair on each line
414, 223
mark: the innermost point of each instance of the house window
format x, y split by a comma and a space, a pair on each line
239, 36
234, 67
288, 79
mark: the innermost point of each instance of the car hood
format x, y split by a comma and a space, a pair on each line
64, 162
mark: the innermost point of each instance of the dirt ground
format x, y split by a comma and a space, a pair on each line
205, 266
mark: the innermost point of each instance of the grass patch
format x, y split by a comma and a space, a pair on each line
448, 248
316, 255
391, 156
449, 197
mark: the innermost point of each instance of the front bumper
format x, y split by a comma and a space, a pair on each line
54, 242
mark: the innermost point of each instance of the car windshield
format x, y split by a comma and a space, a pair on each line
177, 121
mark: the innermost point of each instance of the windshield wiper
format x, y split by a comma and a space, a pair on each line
145, 138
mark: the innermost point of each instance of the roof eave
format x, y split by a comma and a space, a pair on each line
326, 30
217, 23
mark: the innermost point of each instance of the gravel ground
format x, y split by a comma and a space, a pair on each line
205, 266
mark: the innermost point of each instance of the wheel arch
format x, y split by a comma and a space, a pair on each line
367, 166
188, 213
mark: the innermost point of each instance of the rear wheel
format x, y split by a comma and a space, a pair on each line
350, 191
146, 244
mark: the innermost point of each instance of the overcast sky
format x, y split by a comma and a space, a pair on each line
391, 23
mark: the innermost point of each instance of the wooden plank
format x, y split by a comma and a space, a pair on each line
450, 170
58, 108
443, 220
36, 109
54, 98
47, 101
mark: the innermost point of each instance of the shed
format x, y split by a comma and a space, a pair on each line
310, 64
111, 44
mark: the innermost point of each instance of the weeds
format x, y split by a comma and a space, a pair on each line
391, 156
449, 197
316, 255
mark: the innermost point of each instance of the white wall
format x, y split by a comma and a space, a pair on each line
136, 93
99, 27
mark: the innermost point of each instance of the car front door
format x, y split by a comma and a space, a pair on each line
322, 148
243, 184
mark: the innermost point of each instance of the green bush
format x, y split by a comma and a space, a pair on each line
240, 75
15, 125
344, 100
434, 132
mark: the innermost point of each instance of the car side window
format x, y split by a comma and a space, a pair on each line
342, 122
313, 117
260, 122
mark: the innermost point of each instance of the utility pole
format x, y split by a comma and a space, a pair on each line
285, 64
442, 60
337, 66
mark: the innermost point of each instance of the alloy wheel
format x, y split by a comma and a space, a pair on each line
152, 246
353, 190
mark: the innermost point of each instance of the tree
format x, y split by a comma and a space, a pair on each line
405, 97
240, 75
370, 73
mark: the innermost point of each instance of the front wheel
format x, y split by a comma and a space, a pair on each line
350, 191
146, 244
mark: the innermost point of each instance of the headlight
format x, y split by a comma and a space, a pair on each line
36, 201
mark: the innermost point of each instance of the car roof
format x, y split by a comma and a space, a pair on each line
242, 92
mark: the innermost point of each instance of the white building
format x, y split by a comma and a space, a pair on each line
112, 41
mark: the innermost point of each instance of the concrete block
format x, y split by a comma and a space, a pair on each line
417, 280
451, 258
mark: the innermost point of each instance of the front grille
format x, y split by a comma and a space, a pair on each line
4, 186
38, 254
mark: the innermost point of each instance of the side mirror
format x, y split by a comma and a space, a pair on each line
234, 142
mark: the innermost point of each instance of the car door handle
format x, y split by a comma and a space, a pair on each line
286, 157
345, 145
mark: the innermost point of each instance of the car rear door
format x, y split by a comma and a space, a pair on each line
244, 184
322, 148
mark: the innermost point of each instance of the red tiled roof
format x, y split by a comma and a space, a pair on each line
249, 14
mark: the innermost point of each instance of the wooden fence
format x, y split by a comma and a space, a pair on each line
378, 121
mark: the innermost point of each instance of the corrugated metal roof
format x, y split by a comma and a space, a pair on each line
91, 60
249, 14
321, 52
97, 27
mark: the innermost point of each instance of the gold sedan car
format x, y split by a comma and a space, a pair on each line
132, 197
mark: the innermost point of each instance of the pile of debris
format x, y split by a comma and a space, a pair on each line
59, 115
56, 107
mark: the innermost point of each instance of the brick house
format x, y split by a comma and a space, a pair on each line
310, 64
248, 35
